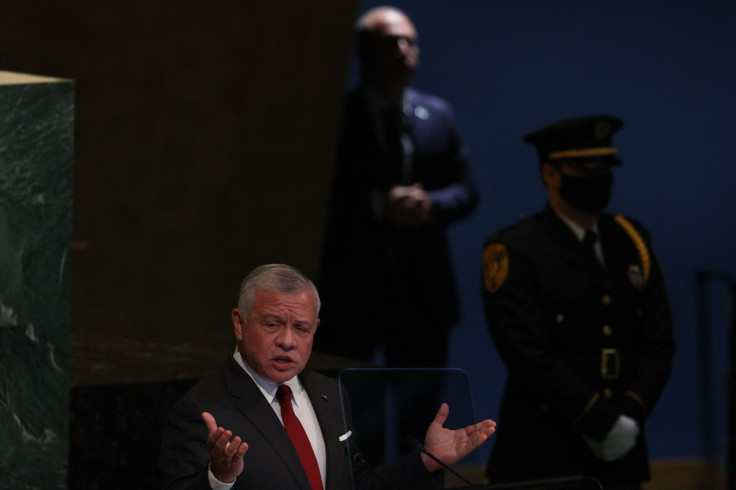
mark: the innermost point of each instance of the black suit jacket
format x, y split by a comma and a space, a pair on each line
552, 312
271, 461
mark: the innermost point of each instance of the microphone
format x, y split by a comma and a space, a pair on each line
358, 458
422, 449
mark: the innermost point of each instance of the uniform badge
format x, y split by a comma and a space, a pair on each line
602, 130
495, 266
636, 277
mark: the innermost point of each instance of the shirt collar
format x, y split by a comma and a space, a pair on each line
268, 388
578, 230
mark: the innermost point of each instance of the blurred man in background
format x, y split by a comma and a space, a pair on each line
402, 176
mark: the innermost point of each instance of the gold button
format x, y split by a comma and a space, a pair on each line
607, 392
607, 330
606, 299
560, 318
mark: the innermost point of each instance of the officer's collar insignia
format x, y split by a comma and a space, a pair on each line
636, 277
495, 266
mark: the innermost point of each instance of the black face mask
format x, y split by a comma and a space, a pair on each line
589, 193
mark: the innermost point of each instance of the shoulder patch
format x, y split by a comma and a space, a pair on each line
495, 266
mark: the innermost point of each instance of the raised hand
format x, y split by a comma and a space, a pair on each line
226, 451
450, 446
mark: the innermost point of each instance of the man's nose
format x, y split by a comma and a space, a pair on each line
286, 339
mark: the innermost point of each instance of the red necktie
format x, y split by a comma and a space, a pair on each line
299, 438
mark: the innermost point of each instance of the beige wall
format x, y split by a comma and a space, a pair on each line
204, 142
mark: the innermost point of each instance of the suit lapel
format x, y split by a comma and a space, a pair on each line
417, 129
364, 120
327, 406
252, 404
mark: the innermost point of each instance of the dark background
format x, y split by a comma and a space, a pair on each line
667, 68
204, 143
205, 137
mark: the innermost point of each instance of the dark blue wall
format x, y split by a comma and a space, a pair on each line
668, 69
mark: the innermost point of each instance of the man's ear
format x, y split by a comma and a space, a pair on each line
238, 323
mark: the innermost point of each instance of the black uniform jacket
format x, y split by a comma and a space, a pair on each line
271, 461
582, 345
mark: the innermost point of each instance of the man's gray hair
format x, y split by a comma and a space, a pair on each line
278, 278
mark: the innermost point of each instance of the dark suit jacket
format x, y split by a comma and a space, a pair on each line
271, 461
552, 314
364, 255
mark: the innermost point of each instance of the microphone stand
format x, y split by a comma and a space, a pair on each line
422, 449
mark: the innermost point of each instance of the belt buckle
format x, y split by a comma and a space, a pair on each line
610, 363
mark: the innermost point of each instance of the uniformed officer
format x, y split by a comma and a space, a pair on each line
575, 303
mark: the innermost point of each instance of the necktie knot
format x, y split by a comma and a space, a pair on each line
283, 393
589, 240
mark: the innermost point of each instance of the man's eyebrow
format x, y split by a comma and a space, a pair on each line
305, 322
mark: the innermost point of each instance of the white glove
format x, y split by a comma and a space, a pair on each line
619, 440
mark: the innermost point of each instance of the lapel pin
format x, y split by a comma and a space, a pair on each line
323, 396
421, 112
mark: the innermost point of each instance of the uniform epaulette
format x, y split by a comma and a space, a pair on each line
641, 247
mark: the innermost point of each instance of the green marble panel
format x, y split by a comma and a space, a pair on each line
36, 186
